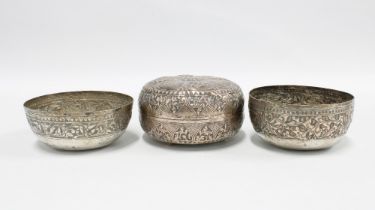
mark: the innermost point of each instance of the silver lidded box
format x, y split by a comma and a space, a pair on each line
300, 117
189, 109
79, 120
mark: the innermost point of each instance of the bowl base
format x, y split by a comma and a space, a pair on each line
297, 144
80, 144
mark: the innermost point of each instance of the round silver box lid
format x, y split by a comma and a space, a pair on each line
188, 96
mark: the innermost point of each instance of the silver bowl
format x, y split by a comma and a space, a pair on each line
191, 109
300, 117
79, 120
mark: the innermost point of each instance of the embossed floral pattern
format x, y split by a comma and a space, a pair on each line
198, 133
74, 127
302, 127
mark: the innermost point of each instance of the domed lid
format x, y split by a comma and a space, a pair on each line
197, 85
190, 97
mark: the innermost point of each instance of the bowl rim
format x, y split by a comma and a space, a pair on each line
322, 105
27, 107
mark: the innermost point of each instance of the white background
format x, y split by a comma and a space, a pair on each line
48, 46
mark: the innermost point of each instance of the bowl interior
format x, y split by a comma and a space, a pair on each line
78, 102
300, 95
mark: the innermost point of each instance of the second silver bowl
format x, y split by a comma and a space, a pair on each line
300, 117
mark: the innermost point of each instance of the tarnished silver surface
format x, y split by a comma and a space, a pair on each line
300, 117
79, 120
191, 109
